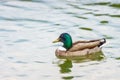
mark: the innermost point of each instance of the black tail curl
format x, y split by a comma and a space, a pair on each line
102, 42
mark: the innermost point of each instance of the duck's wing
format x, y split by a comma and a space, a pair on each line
80, 45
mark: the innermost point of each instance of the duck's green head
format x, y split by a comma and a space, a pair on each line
66, 39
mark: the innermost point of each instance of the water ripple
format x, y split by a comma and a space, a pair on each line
21, 40
7, 30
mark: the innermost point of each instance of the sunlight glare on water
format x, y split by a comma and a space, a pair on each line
28, 27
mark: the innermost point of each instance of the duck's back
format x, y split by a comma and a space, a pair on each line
80, 45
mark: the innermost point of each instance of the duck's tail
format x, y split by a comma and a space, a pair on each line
102, 41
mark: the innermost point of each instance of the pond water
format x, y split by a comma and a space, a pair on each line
28, 27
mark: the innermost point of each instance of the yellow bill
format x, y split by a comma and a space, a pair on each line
57, 40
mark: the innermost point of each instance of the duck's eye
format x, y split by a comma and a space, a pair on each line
63, 39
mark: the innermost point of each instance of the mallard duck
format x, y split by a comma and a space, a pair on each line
78, 48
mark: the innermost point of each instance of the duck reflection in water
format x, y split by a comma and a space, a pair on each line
67, 62
66, 66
